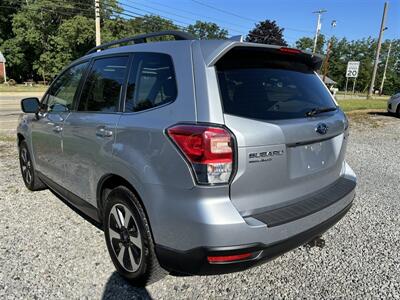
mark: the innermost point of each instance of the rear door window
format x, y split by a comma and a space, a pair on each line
270, 90
151, 82
104, 85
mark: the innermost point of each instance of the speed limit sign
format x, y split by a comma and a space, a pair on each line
352, 68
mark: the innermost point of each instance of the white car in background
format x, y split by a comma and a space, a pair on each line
394, 104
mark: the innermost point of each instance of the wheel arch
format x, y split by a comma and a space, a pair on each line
109, 182
20, 138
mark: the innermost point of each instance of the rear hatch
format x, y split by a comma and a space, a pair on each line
290, 134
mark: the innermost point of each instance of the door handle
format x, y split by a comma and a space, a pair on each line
57, 128
103, 132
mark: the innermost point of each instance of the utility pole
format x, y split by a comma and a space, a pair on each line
328, 51
326, 64
4, 72
319, 12
97, 16
384, 70
378, 50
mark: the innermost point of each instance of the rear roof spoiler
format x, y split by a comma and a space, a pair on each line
213, 51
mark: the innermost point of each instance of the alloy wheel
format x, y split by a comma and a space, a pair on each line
26, 166
125, 238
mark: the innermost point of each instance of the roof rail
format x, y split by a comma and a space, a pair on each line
142, 38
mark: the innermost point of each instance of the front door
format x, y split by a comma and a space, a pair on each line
89, 132
47, 128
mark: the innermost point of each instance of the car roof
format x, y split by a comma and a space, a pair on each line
211, 50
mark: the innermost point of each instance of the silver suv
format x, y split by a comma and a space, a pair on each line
194, 156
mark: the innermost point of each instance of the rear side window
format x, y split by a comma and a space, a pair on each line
151, 82
103, 86
269, 87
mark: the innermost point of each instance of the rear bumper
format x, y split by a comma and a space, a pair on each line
204, 222
194, 261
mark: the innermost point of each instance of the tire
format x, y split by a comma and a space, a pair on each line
29, 175
398, 111
127, 231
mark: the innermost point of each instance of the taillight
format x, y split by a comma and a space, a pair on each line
208, 149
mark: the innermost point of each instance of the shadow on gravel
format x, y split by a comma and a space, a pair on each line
381, 113
118, 288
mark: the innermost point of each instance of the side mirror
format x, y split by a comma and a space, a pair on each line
30, 105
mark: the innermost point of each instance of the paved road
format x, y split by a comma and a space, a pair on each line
47, 251
10, 103
10, 109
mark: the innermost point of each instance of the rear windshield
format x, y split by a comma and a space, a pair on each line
269, 87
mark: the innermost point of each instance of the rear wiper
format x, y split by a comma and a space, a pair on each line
319, 110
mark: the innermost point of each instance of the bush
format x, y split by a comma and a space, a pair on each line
12, 82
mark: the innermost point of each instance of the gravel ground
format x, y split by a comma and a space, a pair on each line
48, 251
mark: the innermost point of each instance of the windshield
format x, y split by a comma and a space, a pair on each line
272, 93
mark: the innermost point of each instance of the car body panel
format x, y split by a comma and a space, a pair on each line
47, 143
87, 155
394, 103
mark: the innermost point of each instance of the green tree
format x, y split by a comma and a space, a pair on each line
207, 31
151, 23
8, 9
31, 44
267, 32
307, 44
363, 50
74, 37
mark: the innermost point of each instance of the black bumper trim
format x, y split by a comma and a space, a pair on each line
307, 205
194, 261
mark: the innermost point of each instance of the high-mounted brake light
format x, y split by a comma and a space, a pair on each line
289, 50
208, 149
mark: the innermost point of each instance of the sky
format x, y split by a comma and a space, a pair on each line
355, 19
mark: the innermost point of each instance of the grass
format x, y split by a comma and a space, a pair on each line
361, 104
22, 88
8, 138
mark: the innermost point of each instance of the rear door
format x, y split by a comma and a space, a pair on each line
290, 134
89, 131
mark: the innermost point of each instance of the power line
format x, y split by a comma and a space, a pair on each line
160, 10
174, 20
223, 11
133, 14
125, 12
245, 18
151, 13
187, 18
228, 28
192, 13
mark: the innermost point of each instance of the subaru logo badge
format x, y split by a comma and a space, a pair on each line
321, 128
